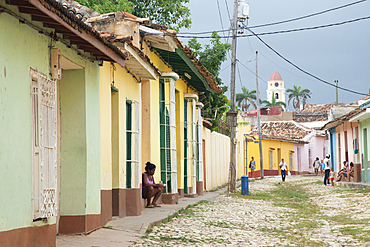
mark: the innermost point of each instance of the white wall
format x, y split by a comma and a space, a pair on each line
217, 158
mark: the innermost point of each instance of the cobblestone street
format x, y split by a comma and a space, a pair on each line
299, 212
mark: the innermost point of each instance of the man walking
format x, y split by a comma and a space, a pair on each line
327, 169
283, 167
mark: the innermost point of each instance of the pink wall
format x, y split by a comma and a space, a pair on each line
341, 155
317, 147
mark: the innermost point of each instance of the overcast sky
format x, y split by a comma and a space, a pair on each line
334, 53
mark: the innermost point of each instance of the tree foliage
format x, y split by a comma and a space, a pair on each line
297, 95
171, 13
215, 104
243, 98
107, 6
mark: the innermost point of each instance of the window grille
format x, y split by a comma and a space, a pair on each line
271, 159
192, 143
291, 163
132, 144
299, 157
168, 133
310, 159
44, 145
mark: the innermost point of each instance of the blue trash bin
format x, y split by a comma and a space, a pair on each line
245, 185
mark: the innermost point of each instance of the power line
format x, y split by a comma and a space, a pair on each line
225, 68
283, 68
240, 78
219, 14
276, 23
228, 12
278, 32
251, 71
302, 70
307, 16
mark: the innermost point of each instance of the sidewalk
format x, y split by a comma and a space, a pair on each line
353, 185
125, 231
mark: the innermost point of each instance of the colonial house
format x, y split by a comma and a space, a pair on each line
344, 139
50, 122
150, 112
363, 118
280, 140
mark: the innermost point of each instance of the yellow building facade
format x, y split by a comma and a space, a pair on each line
272, 153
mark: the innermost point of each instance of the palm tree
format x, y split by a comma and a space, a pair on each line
242, 98
273, 102
298, 95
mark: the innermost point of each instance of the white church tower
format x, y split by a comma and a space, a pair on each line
276, 88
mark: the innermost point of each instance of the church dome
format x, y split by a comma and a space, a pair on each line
275, 77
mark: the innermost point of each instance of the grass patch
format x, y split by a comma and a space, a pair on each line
107, 227
356, 233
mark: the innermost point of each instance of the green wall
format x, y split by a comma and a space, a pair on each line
365, 153
80, 142
20, 49
23, 48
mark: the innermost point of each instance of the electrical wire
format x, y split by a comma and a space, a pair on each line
219, 14
228, 12
302, 70
307, 16
251, 71
278, 32
276, 23
283, 68
240, 78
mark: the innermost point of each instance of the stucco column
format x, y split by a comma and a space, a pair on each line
199, 126
170, 78
193, 98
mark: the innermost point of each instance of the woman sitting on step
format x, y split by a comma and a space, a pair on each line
343, 174
150, 188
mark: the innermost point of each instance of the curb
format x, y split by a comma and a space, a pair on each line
353, 185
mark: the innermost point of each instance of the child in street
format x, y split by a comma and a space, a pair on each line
322, 167
331, 176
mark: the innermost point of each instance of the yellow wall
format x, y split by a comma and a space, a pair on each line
241, 159
285, 147
128, 89
181, 88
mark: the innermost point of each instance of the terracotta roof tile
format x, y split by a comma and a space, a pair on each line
312, 112
282, 130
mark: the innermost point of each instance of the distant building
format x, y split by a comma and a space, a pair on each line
275, 88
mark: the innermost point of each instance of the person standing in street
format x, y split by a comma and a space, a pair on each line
252, 166
327, 169
284, 167
316, 165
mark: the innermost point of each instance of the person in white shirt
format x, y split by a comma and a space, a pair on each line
327, 169
316, 165
284, 167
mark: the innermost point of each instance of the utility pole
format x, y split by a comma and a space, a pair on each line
232, 112
259, 120
336, 91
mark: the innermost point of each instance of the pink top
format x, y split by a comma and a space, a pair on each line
147, 179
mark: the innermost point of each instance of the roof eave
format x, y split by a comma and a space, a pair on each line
67, 23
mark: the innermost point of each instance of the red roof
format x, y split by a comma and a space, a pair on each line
275, 77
